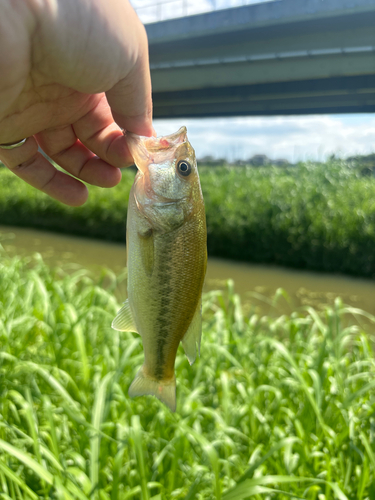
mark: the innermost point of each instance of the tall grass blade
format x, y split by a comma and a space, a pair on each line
27, 460
97, 418
16, 480
137, 443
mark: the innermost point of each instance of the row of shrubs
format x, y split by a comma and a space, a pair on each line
313, 216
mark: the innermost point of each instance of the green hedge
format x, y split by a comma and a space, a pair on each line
318, 217
103, 216
311, 216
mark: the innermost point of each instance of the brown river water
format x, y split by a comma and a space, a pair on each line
255, 283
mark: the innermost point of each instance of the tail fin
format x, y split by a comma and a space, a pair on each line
165, 390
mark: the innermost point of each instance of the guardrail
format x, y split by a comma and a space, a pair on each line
172, 9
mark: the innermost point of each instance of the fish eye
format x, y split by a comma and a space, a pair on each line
184, 168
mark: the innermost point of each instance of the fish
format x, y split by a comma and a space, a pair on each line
166, 260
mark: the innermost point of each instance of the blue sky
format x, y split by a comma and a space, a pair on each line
295, 138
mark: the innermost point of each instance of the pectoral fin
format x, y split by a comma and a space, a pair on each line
124, 321
193, 335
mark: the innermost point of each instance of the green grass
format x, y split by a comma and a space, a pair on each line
275, 408
319, 217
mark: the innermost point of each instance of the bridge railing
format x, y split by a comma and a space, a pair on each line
171, 9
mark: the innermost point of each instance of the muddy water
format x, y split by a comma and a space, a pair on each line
255, 283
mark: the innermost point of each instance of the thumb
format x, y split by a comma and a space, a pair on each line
130, 99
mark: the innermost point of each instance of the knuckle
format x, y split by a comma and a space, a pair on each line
56, 156
48, 182
26, 164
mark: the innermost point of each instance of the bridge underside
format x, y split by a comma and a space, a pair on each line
278, 58
351, 94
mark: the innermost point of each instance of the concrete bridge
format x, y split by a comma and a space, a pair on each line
280, 57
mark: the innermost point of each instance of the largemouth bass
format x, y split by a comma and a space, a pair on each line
167, 257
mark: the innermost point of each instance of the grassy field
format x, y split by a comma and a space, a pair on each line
275, 408
319, 217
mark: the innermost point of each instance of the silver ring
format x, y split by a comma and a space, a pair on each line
13, 145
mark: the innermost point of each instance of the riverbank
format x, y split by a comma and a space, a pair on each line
256, 284
317, 217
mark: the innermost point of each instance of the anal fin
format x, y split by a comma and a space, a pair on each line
124, 321
192, 337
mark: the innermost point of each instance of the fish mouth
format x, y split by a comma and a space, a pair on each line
166, 142
146, 150
161, 200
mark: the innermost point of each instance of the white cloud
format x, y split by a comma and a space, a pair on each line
295, 138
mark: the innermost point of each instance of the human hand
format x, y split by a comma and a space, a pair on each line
68, 68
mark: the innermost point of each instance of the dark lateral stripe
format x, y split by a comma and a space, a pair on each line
162, 324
